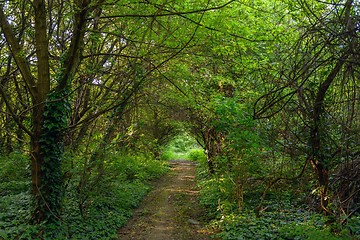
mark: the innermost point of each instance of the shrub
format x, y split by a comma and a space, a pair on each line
14, 161
167, 155
308, 231
196, 155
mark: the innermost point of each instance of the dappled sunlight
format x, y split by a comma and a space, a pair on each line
106, 103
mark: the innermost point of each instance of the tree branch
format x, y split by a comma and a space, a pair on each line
12, 113
18, 54
73, 57
170, 13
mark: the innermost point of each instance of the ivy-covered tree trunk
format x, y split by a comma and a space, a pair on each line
47, 147
49, 108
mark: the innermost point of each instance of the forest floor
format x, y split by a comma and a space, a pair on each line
171, 210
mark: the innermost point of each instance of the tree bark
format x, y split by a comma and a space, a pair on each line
43, 89
318, 161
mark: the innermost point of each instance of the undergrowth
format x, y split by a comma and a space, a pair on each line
103, 206
180, 148
283, 215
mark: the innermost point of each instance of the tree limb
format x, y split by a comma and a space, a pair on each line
171, 13
18, 53
12, 113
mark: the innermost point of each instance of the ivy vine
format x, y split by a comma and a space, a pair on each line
56, 115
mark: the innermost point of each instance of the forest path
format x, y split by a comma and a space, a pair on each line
170, 211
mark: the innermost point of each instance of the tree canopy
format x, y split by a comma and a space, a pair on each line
268, 89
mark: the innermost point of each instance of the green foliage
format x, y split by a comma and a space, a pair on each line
14, 212
109, 210
167, 155
245, 226
216, 195
57, 111
282, 215
281, 225
308, 231
139, 168
243, 69
197, 155
14, 174
14, 167
109, 203
182, 143
353, 225
179, 148
15, 199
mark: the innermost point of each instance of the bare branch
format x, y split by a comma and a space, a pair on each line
12, 112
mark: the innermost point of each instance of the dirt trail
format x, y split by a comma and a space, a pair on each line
170, 211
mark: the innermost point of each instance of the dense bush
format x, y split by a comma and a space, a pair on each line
196, 155
167, 155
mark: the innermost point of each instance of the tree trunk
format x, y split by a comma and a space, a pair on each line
213, 146
318, 160
48, 119
37, 159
